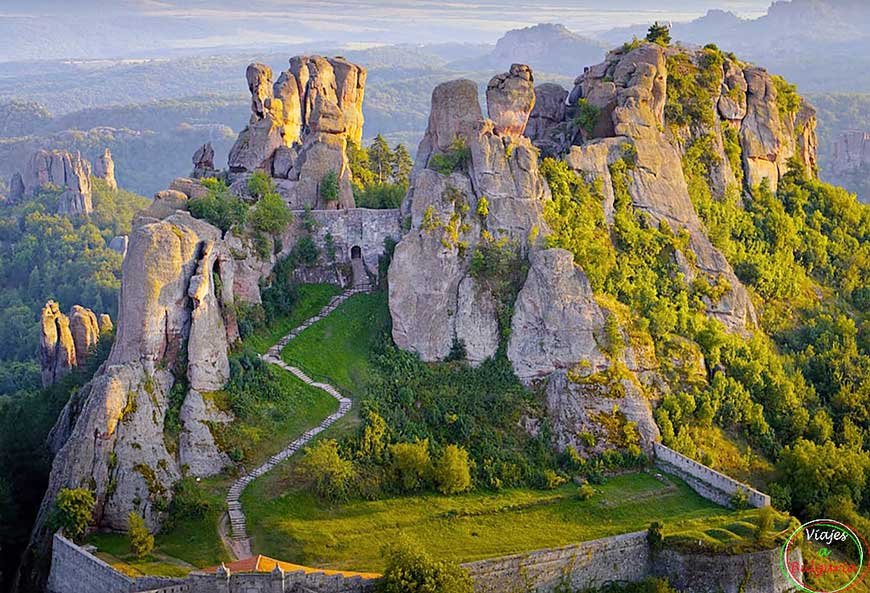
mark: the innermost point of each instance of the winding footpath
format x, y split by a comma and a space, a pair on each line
240, 542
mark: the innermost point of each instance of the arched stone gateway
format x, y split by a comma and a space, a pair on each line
360, 277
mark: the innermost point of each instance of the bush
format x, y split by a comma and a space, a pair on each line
323, 466
219, 207
411, 464
305, 252
74, 511
189, 502
271, 214
456, 158
585, 492
452, 472
410, 570
550, 480
655, 537
587, 116
141, 540
329, 187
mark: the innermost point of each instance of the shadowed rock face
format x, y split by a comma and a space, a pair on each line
66, 342
300, 126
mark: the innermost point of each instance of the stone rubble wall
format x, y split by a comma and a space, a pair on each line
75, 570
707, 482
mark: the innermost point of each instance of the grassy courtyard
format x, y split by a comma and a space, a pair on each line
290, 523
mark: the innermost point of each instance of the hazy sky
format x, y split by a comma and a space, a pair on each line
221, 22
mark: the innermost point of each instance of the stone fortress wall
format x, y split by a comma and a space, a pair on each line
707, 482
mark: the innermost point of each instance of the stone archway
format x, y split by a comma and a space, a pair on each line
360, 277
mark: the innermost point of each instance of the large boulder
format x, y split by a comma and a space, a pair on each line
546, 116
203, 162
85, 330
510, 98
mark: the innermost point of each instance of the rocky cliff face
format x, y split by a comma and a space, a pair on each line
57, 169
851, 152
177, 275
299, 128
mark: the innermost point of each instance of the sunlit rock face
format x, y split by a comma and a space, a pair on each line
299, 128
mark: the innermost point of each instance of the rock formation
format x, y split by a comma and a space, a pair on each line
851, 152
119, 244
300, 126
203, 162
57, 351
66, 342
67, 172
434, 300
176, 275
16, 188
104, 168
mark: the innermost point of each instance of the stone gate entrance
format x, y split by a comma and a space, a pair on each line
360, 278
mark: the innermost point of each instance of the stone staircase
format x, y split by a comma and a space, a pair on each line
238, 526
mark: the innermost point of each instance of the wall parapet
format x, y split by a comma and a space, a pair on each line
706, 481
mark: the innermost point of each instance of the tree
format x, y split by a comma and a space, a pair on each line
141, 540
271, 214
373, 442
659, 33
219, 206
329, 187
402, 165
411, 570
381, 159
453, 471
323, 466
411, 463
74, 511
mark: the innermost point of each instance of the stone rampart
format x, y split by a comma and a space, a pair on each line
75, 570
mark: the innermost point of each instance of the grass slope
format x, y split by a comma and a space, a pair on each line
291, 524
310, 300
336, 349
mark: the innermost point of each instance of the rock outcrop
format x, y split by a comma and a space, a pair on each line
104, 168
57, 351
300, 126
203, 162
66, 341
547, 114
110, 436
434, 300
64, 171
851, 153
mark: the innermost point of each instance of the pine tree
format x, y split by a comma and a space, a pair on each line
659, 33
381, 158
402, 165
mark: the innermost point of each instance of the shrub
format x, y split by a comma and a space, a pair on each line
271, 214
654, 536
74, 511
455, 158
329, 187
324, 467
305, 252
189, 502
141, 540
483, 207
410, 570
739, 500
373, 441
585, 492
550, 480
219, 206
452, 472
411, 464
587, 115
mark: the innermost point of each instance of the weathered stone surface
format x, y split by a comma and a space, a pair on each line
57, 351
164, 204
104, 168
208, 367
59, 169
732, 100
851, 152
196, 447
555, 318
546, 115
191, 188
510, 98
575, 408
761, 133
85, 331
119, 244
476, 321
105, 323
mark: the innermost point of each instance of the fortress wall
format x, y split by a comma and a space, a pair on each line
75, 570
705, 481
362, 227
623, 557
263, 582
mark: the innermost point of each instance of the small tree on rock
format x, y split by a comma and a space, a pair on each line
660, 34
329, 187
141, 540
74, 511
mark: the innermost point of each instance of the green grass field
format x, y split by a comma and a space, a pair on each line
311, 299
336, 349
288, 523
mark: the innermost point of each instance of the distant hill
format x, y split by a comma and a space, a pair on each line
548, 48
